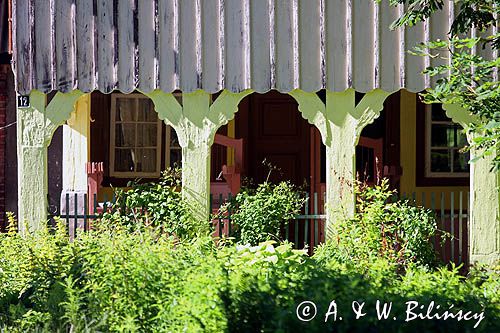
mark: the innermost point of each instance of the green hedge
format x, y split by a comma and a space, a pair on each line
114, 281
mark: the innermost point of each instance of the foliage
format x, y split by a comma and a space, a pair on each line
381, 227
114, 280
156, 206
260, 213
137, 283
30, 269
466, 77
479, 14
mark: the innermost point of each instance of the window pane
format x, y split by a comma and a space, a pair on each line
443, 136
460, 161
461, 138
438, 114
174, 141
124, 135
440, 160
146, 160
146, 111
147, 135
175, 158
124, 160
125, 109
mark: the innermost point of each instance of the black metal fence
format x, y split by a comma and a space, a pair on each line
75, 211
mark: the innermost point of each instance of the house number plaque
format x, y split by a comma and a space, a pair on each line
23, 101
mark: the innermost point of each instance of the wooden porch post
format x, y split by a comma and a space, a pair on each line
484, 201
340, 123
36, 124
196, 121
75, 147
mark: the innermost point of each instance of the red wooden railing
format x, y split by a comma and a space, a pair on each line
232, 174
95, 174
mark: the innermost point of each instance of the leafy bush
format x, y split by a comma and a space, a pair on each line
259, 214
381, 227
117, 281
30, 271
113, 280
156, 206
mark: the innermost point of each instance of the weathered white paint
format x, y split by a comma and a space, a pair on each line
484, 201
196, 121
85, 44
75, 153
35, 127
148, 61
213, 45
105, 70
126, 53
340, 123
65, 48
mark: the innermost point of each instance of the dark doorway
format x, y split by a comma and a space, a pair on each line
274, 131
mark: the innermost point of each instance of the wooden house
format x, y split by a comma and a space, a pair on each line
321, 89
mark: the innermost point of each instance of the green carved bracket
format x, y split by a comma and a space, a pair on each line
368, 109
59, 110
460, 115
38, 122
196, 121
340, 110
313, 110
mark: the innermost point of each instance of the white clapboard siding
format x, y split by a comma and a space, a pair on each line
219, 44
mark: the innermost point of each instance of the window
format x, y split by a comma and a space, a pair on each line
444, 140
173, 152
135, 137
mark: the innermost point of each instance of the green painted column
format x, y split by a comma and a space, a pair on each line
196, 178
341, 171
484, 205
35, 127
484, 224
196, 121
340, 122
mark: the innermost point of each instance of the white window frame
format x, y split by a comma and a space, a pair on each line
132, 174
428, 148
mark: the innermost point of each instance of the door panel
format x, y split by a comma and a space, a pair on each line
278, 134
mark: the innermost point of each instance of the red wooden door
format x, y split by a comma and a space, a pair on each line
278, 134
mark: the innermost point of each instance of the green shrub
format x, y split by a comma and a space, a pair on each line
154, 206
259, 214
31, 269
142, 284
383, 228
117, 281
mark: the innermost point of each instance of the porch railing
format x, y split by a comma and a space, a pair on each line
308, 229
452, 215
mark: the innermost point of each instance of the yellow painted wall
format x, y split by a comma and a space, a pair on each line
107, 193
408, 122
